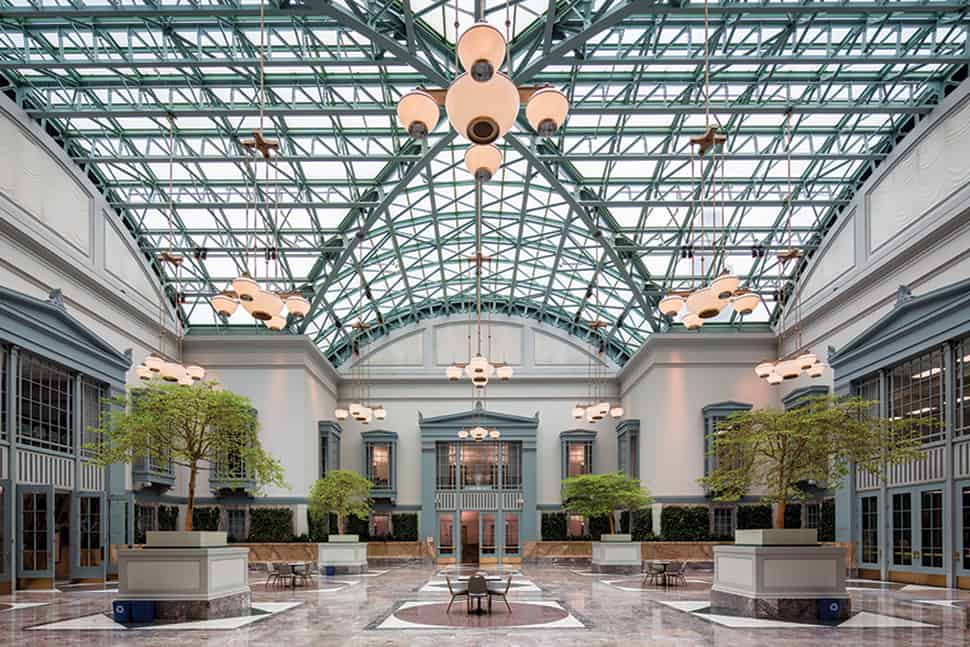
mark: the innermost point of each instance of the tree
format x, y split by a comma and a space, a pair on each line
194, 426
343, 493
599, 495
781, 452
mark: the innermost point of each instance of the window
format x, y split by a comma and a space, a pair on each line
812, 512
323, 455
236, 524
916, 390
3, 391
961, 423
446, 534
487, 546
46, 404
90, 531
579, 458
902, 529
35, 534
511, 533
634, 461
380, 525
628, 451
379, 465
447, 466
576, 526
479, 465
145, 520
92, 408
931, 528
511, 465
3, 535
966, 528
870, 529
723, 523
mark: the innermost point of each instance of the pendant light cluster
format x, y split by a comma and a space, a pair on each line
358, 408
708, 301
479, 433
156, 365
597, 406
266, 306
789, 369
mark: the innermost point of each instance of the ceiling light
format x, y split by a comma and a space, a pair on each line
266, 305
504, 372
185, 379
172, 371
494, 434
276, 322
725, 285
482, 112
483, 161
154, 363
671, 305
354, 410
463, 433
297, 306
143, 373
764, 369
806, 361
546, 111
419, 113
704, 303
692, 322
745, 303
453, 372
788, 369
245, 287
379, 412
195, 372
816, 370
340, 414
481, 50
224, 304
616, 412
775, 378
578, 412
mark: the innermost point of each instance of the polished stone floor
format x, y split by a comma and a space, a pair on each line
564, 606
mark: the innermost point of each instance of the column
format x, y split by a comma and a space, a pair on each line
951, 498
13, 367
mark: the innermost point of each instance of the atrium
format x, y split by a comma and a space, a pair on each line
497, 322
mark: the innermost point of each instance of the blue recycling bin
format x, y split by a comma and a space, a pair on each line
830, 610
142, 612
121, 610
330, 571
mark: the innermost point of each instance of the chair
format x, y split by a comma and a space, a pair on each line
286, 572
477, 590
500, 592
676, 571
273, 573
654, 572
302, 571
456, 591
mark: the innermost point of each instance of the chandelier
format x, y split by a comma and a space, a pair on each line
156, 364
263, 305
479, 433
359, 409
724, 290
597, 406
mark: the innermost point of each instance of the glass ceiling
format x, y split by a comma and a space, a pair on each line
373, 226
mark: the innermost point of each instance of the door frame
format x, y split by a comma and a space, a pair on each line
916, 508
86, 572
960, 548
34, 489
880, 525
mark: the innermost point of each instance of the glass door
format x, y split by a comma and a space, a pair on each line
87, 535
487, 550
917, 530
869, 520
35, 536
963, 539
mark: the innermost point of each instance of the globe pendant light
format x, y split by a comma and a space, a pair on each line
775, 379
481, 50
171, 371
788, 369
245, 287
297, 306
745, 303
616, 412
143, 373
483, 161
224, 304
764, 369
195, 372
494, 434
671, 305
379, 412
453, 372
806, 361
578, 412
704, 303
692, 322
816, 370
354, 410
725, 285
482, 111
154, 363
504, 372
603, 408
419, 113
276, 322
480, 380
340, 414
185, 380
266, 305
463, 433
546, 111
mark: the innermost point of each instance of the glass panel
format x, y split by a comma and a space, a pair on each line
916, 390
34, 534
931, 528
91, 553
577, 458
45, 404
511, 465
723, 523
961, 425
870, 529
379, 468
488, 534
511, 533
479, 465
966, 528
236, 519
323, 455
447, 465
3, 534
3, 392
446, 534
576, 526
902, 529
380, 525
92, 396
812, 511
634, 460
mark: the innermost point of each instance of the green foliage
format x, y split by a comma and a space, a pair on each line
777, 451
685, 523
600, 495
405, 525
793, 515
189, 425
599, 526
270, 525
205, 518
826, 521
553, 526
754, 517
358, 526
168, 516
642, 524
318, 526
344, 493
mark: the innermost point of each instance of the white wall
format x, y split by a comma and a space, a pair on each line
667, 385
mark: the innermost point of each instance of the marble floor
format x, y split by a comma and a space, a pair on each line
556, 606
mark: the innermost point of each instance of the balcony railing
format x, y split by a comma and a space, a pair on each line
150, 472
230, 474
478, 499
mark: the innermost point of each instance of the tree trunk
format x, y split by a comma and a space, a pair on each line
190, 507
341, 525
778, 514
611, 516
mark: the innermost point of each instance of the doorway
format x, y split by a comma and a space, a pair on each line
62, 535
469, 537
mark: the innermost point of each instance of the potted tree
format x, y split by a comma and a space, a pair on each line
343, 493
599, 495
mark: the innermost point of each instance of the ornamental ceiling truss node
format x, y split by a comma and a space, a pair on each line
371, 225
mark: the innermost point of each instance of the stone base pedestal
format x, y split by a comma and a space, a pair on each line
779, 582
187, 583
616, 557
346, 558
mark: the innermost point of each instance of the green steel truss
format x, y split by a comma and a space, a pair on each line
371, 225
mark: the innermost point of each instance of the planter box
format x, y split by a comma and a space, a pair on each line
344, 556
616, 556
347, 539
779, 582
616, 537
184, 539
777, 537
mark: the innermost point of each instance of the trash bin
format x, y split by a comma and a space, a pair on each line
142, 612
330, 571
121, 610
829, 610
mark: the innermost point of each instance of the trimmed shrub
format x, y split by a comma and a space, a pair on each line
205, 518
553, 526
754, 517
168, 517
685, 523
405, 526
793, 515
826, 521
318, 526
270, 525
599, 526
359, 527
642, 528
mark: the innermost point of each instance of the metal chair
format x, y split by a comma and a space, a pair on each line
477, 590
500, 593
286, 572
456, 591
273, 573
676, 571
653, 573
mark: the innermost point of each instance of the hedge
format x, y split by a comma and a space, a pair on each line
168, 517
270, 525
642, 529
553, 526
793, 515
359, 527
826, 521
405, 526
754, 517
685, 523
205, 518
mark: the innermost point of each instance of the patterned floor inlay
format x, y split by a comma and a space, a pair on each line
637, 584
14, 606
538, 614
104, 622
862, 620
519, 585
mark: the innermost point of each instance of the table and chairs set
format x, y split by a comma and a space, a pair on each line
665, 572
290, 574
479, 589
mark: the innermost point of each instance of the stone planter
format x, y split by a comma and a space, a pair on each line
345, 556
777, 537
188, 575
345, 539
614, 556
